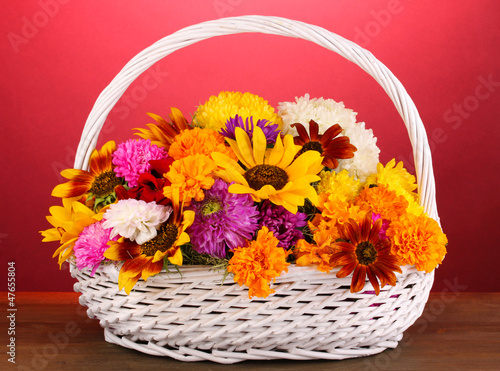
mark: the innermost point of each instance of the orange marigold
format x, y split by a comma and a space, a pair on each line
381, 200
337, 207
190, 175
418, 240
318, 253
259, 263
199, 141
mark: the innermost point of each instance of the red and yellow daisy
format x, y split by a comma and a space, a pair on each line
100, 180
163, 133
329, 144
146, 260
363, 254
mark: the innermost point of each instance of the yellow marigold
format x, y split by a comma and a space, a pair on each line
398, 179
259, 263
204, 141
218, 109
190, 175
418, 240
339, 183
381, 200
318, 253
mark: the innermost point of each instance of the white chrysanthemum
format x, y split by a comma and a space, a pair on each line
136, 220
326, 112
365, 160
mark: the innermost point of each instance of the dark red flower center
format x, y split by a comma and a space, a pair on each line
311, 146
366, 253
261, 175
167, 235
105, 183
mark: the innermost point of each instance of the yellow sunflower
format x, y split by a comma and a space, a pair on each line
273, 174
68, 221
146, 260
219, 109
100, 180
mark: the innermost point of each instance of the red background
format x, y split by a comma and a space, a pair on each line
58, 55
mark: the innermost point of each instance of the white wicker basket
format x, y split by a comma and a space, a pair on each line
312, 315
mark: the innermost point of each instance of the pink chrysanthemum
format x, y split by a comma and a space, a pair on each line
91, 245
131, 159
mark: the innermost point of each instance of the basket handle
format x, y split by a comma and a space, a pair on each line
276, 26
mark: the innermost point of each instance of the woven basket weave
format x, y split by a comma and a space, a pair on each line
194, 316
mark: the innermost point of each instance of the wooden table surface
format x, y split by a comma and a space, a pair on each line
458, 331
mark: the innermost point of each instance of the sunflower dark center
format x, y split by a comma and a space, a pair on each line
366, 253
105, 183
311, 146
261, 175
167, 234
210, 207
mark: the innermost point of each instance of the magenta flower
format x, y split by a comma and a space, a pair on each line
283, 223
222, 221
385, 225
131, 159
91, 245
270, 131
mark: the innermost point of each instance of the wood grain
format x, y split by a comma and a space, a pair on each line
458, 331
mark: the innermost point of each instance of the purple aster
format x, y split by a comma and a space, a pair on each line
91, 245
283, 223
222, 220
131, 159
270, 131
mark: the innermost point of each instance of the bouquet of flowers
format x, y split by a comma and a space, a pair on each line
248, 190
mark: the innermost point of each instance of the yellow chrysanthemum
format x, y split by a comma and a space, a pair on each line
68, 221
398, 179
190, 176
259, 263
218, 109
381, 200
199, 141
318, 253
272, 174
339, 183
418, 240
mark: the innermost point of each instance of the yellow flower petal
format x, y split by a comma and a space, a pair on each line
259, 145
245, 146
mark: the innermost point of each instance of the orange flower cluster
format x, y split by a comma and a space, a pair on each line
199, 141
419, 241
319, 253
190, 175
259, 263
381, 200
